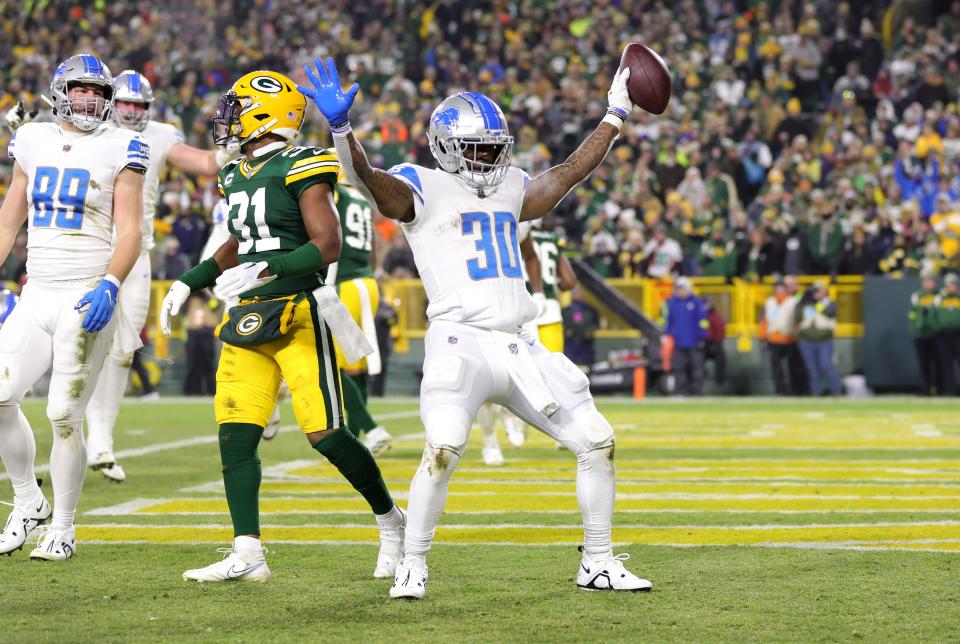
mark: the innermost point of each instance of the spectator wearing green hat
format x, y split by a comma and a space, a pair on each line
924, 332
947, 316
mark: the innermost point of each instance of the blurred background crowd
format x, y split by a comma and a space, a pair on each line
802, 138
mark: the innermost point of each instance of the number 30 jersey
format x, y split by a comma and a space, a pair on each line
70, 182
466, 248
263, 197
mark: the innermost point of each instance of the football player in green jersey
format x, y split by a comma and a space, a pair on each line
359, 292
284, 232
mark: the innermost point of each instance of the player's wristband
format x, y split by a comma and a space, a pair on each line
343, 128
615, 117
203, 275
297, 263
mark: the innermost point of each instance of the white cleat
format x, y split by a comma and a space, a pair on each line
391, 549
238, 565
410, 581
609, 574
114, 473
491, 453
101, 460
516, 430
21, 523
273, 425
377, 440
55, 545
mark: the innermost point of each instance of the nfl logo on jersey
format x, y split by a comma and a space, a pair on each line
514, 349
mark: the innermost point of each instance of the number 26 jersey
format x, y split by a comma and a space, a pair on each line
70, 186
466, 248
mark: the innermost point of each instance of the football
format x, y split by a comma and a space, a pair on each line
649, 82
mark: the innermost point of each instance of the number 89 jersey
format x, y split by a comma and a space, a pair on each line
466, 248
263, 197
70, 182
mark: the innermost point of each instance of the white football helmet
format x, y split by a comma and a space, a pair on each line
75, 70
133, 87
470, 122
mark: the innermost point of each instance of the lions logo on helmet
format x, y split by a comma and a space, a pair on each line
82, 70
468, 136
132, 87
259, 103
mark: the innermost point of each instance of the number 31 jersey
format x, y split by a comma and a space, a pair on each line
70, 184
466, 248
263, 197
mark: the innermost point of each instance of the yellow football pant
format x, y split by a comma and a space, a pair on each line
355, 294
551, 336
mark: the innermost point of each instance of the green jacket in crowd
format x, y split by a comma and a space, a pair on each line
816, 321
718, 258
923, 314
947, 311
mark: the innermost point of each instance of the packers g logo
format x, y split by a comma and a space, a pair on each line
267, 84
249, 323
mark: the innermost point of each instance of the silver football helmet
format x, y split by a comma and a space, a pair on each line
85, 113
133, 87
465, 126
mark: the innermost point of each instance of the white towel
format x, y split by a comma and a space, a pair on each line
524, 373
349, 336
369, 328
127, 337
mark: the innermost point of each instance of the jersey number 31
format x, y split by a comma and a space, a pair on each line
66, 200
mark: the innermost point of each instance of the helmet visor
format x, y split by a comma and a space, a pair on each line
227, 118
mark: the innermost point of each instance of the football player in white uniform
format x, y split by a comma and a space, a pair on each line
134, 97
74, 181
461, 222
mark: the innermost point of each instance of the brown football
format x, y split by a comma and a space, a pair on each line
649, 82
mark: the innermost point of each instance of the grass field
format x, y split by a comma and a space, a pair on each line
755, 520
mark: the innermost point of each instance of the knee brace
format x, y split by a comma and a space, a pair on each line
447, 427
587, 430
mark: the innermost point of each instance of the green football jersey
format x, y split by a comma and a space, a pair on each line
263, 197
356, 226
548, 247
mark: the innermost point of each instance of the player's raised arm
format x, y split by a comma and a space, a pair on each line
547, 189
196, 161
390, 195
13, 212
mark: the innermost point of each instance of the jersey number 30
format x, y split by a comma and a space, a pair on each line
63, 195
503, 226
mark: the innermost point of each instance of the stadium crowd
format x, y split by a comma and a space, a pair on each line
802, 138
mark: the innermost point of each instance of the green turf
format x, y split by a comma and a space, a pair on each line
487, 592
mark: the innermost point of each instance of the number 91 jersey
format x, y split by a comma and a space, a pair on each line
263, 197
70, 182
356, 233
466, 248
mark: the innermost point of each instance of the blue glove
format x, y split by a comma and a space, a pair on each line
99, 304
327, 93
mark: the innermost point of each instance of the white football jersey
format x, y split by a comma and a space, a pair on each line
161, 137
466, 248
70, 180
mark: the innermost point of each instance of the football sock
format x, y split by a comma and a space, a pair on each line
392, 519
355, 462
246, 544
68, 467
18, 450
428, 496
102, 409
596, 482
241, 475
359, 419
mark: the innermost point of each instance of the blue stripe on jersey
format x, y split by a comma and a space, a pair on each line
408, 174
91, 65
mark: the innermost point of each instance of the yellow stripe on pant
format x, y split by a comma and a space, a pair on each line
248, 378
551, 336
352, 294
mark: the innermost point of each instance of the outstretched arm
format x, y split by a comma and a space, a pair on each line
389, 194
13, 212
204, 163
547, 189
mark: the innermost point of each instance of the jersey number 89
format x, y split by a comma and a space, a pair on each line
66, 201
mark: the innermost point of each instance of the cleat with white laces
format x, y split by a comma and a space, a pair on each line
114, 473
410, 581
609, 574
491, 453
391, 549
237, 565
515, 429
273, 425
377, 440
25, 518
55, 544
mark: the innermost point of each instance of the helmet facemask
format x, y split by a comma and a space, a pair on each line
86, 113
225, 124
134, 119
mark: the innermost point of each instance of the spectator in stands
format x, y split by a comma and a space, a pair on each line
718, 257
816, 317
713, 349
662, 254
857, 257
200, 323
580, 324
778, 327
947, 316
174, 263
757, 259
685, 320
824, 237
924, 332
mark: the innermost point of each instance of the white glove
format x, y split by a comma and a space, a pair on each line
176, 296
223, 157
17, 116
541, 301
619, 105
240, 279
